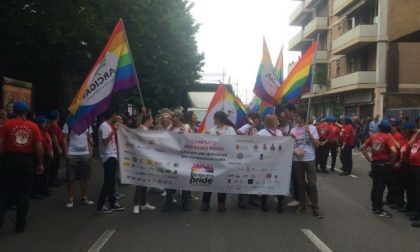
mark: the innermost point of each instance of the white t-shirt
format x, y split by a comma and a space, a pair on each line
109, 150
248, 130
303, 142
180, 130
269, 132
78, 145
225, 130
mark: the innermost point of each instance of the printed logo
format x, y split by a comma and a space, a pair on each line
377, 144
240, 155
415, 148
22, 136
202, 174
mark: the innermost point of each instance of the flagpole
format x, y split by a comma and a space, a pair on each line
132, 60
312, 80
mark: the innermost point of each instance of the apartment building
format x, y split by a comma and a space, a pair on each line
364, 64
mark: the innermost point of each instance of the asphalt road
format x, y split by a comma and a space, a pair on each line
344, 201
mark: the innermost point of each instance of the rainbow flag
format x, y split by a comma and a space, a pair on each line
266, 83
278, 69
299, 80
113, 71
223, 100
260, 107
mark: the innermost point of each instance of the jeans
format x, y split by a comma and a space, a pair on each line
380, 176
16, 183
347, 158
306, 179
323, 156
108, 188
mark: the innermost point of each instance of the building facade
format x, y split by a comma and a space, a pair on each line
365, 64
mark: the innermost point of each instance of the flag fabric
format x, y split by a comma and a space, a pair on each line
260, 107
113, 71
299, 80
255, 104
223, 100
278, 69
266, 84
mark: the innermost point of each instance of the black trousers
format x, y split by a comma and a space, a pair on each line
332, 148
185, 195
417, 178
397, 187
15, 184
346, 158
108, 188
409, 185
221, 197
54, 167
380, 177
323, 156
280, 199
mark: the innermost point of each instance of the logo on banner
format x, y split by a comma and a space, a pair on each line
202, 174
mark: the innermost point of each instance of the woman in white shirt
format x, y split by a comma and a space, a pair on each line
222, 126
178, 127
140, 195
271, 130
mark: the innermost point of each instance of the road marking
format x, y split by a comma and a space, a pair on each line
353, 176
316, 241
97, 246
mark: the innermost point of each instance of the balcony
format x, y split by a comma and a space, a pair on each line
321, 56
309, 3
299, 14
316, 25
340, 6
354, 39
355, 80
297, 42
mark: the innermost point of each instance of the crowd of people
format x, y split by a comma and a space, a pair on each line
32, 148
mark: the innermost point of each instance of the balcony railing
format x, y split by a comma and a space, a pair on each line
339, 6
321, 56
299, 14
354, 39
296, 43
317, 24
362, 77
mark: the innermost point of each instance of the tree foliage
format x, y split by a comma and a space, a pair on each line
54, 44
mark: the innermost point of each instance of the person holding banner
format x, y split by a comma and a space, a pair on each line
140, 194
271, 130
178, 127
222, 126
306, 140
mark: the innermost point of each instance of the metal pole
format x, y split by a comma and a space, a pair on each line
312, 81
131, 56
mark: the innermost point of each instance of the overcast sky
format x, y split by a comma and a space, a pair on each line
231, 37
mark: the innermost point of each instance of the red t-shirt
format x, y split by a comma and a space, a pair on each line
335, 133
20, 136
324, 131
381, 144
55, 130
400, 139
415, 153
348, 135
46, 141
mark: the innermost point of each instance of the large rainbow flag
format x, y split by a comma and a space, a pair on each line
258, 106
223, 100
278, 69
299, 80
113, 71
266, 83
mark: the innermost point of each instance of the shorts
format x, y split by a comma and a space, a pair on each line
78, 168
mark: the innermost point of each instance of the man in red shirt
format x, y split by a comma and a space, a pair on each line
384, 155
346, 147
42, 188
414, 157
324, 132
333, 141
20, 139
57, 139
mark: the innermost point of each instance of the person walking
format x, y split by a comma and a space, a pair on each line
346, 147
332, 144
222, 126
270, 123
78, 151
306, 140
109, 156
382, 159
140, 193
21, 141
57, 139
414, 157
324, 132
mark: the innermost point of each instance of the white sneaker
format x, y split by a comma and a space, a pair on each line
87, 202
174, 200
275, 199
164, 193
69, 204
293, 203
147, 207
136, 209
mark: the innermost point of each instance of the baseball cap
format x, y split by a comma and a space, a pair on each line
54, 115
20, 106
40, 119
385, 125
408, 125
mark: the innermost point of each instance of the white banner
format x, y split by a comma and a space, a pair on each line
209, 163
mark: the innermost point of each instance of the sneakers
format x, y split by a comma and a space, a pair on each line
117, 207
87, 202
163, 193
174, 201
222, 207
344, 173
69, 204
104, 210
193, 198
293, 203
241, 204
280, 207
383, 213
205, 206
264, 206
147, 206
136, 209
316, 213
415, 224
300, 210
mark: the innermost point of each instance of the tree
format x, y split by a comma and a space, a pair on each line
54, 44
